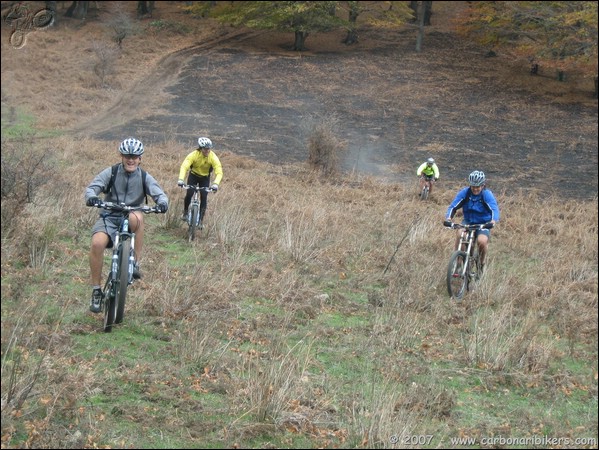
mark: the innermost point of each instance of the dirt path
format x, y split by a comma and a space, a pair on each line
149, 95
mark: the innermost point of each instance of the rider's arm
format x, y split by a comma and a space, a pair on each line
186, 165
98, 184
436, 170
456, 204
420, 169
155, 191
218, 168
491, 203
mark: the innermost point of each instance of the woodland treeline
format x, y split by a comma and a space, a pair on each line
555, 35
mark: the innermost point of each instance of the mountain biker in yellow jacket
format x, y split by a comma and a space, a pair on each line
428, 171
200, 164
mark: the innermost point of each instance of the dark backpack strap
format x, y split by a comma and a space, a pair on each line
115, 168
143, 183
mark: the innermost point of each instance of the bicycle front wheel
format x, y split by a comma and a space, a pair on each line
457, 277
122, 279
424, 193
109, 304
195, 217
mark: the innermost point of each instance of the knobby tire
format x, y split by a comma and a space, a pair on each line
424, 193
109, 304
122, 279
457, 275
195, 215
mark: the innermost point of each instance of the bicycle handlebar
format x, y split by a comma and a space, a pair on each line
124, 208
196, 188
479, 226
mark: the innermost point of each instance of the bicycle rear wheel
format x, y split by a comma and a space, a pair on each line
109, 304
122, 279
457, 278
195, 216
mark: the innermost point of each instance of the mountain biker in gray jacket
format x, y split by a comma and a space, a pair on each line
129, 186
479, 206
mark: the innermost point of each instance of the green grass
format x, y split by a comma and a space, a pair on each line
19, 124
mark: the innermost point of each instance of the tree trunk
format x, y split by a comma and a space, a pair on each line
428, 12
70, 10
422, 9
142, 9
81, 10
420, 37
414, 7
300, 39
351, 38
352, 34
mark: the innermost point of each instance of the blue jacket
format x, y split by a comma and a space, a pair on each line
481, 208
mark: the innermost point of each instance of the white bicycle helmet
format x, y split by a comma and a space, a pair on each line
131, 146
430, 161
204, 142
476, 178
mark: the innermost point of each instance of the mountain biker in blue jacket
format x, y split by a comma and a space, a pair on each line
479, 206
127, 187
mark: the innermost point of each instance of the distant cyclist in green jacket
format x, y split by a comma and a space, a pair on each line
428, 171
200, 164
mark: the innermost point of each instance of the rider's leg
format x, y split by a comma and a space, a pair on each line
204, 182
187, 200
136, 225
483, 243
203, 204
100, 241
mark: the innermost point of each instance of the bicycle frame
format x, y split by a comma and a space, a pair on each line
426, 188
194, 221
464, 268
121, 266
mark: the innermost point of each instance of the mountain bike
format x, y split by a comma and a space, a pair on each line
120, 276
194, 221
426, 189
464, 263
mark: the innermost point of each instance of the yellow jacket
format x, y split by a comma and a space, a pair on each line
202, 165
428, 170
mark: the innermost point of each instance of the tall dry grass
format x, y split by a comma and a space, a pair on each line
288, 253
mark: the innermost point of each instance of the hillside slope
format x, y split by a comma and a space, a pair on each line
393, 107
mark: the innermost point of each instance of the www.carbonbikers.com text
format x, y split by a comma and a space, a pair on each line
544, 441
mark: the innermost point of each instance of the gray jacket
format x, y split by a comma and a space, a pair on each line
127, 187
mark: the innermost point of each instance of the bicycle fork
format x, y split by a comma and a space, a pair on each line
131, 259
466, 246
114, 265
